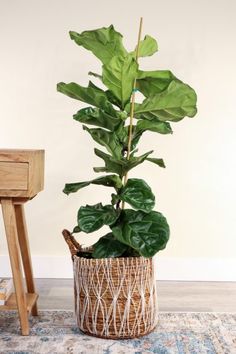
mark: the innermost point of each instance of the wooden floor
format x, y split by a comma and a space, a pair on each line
172, 295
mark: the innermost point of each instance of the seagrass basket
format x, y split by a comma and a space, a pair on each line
115, 298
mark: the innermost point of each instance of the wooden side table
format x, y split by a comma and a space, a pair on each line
21, 178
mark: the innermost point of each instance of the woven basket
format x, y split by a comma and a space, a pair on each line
115, 298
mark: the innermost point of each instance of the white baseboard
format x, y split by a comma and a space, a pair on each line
190, 269
196, 269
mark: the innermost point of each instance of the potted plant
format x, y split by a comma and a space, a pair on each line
115, 294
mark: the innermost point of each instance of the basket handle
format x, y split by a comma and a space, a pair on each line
73, 245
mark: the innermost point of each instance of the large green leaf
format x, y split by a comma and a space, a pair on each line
97, 117
173, 104
143, 125
93, 86
107, 139
136, 160
111, 97
114, 100
93, 217
146, 233
140, 128
147, 47
138, 194
107, 181
122, 134
154, 125
119, 166
118, 75
107, 246
151, 83
111, 164
104, 42
91, 95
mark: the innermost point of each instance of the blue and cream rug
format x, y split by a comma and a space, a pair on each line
56, 332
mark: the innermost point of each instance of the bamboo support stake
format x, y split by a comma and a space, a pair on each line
132, 105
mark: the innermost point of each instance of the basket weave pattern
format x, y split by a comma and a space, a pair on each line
115, 297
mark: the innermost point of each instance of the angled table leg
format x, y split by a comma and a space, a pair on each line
14, 253
25, 251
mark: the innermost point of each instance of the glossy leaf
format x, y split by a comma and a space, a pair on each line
151, 83
123, 134
111, 97
93, 217
173, 104
135, 139
147, 47
97, 117
114, 199
114, 100
118, 75
146, 233
107, 246
107, 139
119, 166
111, 164
138, 194
107, 181
93, 86
104, 42
91, 95
136, 160
153, 125
144, 125
159, 162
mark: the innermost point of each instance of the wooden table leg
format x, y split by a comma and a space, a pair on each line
14, 253
25, 252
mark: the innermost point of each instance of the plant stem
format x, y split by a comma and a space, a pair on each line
132, 105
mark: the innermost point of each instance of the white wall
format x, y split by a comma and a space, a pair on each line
196, 191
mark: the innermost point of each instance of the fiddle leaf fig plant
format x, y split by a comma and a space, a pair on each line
137, 230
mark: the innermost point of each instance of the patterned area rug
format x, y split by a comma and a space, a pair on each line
183, 333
